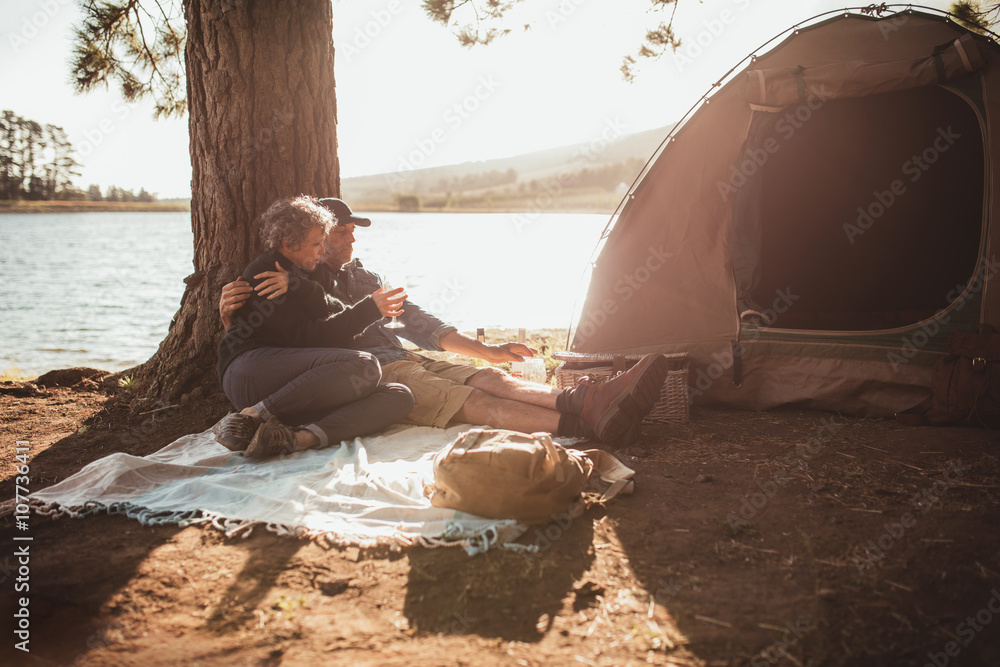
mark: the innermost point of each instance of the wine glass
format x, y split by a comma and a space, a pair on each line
389, 285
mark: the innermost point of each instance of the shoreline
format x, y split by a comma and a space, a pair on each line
90, 207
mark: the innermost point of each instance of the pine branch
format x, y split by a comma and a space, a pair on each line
658, 40
486, 17
125, 42
975, 16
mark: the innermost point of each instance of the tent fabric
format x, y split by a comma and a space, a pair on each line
684, 254
774, 89
868, 382
366, 492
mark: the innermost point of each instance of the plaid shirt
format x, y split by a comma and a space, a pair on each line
353, 283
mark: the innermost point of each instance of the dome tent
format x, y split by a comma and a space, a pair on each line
811, 232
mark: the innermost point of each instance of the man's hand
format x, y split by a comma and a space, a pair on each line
389, 302
454, 341
233, 296
274, 283
510, 352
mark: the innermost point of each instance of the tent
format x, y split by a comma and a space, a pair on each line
818, 223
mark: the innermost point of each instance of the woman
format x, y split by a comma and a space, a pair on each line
279, 363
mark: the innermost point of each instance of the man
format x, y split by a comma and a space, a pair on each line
446, 392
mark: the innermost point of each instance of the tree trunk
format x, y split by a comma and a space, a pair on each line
262, 119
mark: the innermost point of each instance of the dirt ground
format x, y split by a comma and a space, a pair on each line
781, 538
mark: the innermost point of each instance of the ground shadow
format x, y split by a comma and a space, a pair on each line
77, 571
69, 613
267, 558
501, 594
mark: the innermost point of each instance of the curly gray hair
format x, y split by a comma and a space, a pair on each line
292, 219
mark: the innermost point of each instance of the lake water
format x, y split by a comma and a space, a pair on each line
100, 289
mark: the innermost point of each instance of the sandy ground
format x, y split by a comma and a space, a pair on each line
781, 538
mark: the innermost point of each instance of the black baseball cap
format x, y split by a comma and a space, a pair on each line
345, 215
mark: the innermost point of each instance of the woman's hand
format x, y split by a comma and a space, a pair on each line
389, 302
274, 283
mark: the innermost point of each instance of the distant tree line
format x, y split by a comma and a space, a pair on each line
603, 177
584, 186
114, 193
478, 181
36, 163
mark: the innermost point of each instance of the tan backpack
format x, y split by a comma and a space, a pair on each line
501, 474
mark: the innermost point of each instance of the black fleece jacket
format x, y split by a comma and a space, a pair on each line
304, 316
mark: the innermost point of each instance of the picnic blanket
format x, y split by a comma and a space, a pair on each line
366, 492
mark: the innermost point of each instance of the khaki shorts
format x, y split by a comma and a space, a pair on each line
438, 387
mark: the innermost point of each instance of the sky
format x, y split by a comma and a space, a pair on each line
409, 95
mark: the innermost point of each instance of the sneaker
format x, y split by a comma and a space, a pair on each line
271, 439
235, 430
613, 409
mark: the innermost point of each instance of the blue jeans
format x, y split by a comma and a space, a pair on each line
333, 393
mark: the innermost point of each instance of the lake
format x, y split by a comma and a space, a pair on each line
100, 289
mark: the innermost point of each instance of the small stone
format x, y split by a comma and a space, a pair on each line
636, 452
704, 478
332, 588
587, 588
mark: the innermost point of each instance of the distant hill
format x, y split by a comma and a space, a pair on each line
586, 176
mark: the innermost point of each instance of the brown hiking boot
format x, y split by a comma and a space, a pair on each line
235, 430
271, 439
613, 409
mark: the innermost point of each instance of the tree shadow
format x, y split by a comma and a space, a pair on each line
75, 569
268, 557
500, 594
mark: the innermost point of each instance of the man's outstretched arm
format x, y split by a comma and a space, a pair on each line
458, 343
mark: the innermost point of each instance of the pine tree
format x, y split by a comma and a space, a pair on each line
36, 161
260, 94
10, 179
62, 165
31, 143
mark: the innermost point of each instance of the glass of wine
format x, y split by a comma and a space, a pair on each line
389, 285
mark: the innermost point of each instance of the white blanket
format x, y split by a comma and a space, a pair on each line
367, 492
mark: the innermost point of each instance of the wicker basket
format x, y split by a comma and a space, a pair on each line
673, 405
